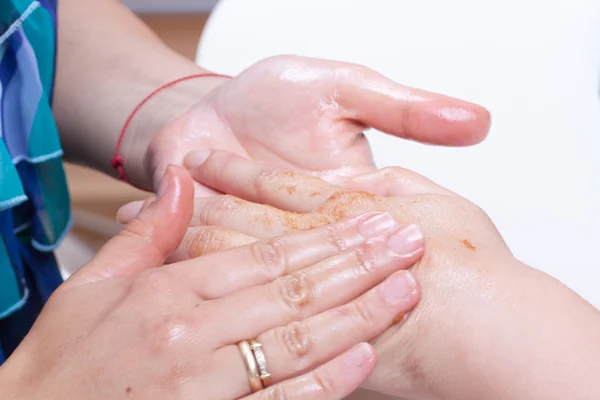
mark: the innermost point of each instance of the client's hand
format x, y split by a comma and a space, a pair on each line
304, 113
124, 326
484, 318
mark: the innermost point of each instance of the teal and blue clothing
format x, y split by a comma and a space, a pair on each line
34, 200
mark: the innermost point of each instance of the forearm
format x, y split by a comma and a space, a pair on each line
545, 346
108, 61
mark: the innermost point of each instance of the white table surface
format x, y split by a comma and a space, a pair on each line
534, 64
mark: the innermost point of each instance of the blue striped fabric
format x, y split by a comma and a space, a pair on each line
34, 200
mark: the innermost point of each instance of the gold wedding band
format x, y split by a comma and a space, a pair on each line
256, 383
256, 364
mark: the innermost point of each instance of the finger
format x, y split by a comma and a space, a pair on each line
147, 240
394, 182
243, 178
129, 211
204, 191
267, 260
330, 283
256, 220
199, 241
332, 381
367, 97
301, 346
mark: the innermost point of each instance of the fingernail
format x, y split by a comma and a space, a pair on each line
129, 212
398, 287
164, 182
406, 240
377, 225
195, 159
358, 355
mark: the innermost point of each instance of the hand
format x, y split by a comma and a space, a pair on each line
484, 317
126, 327
309, 115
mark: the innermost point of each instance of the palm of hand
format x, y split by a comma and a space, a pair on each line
309, 114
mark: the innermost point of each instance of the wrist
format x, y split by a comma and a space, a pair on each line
160, 109
536, 331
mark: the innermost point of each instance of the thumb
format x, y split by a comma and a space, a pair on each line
426, 117
148, 239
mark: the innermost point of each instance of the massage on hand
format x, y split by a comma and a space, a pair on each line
274, 260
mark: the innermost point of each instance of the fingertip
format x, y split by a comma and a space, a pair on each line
461, 123
359, 362
401, 290
195, 159
174, 201
363, 354
129, 211
479, 127
486, 123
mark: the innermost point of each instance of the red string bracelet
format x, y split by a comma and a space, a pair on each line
117, 161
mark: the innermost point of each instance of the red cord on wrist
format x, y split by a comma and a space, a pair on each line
117, 160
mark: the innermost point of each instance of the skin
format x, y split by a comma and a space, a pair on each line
485, 318
108, 61
299, 112
127, 327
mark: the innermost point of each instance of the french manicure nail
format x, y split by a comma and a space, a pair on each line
195, 159
358, 355
406, 240
377, 225
398, 287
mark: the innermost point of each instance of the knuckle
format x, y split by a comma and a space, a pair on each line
277, 62
164, 327
393, 172
364, 263
360, 311
271, 256
456, 214
408, 124
296, 341
218, 209
343, 204
335, 239
296, 292
169, 332
325, 382
397, 178
353, 72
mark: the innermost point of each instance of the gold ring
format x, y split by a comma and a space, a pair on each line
252, 367
261, 360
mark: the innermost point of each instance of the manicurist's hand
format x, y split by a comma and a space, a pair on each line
126, 327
